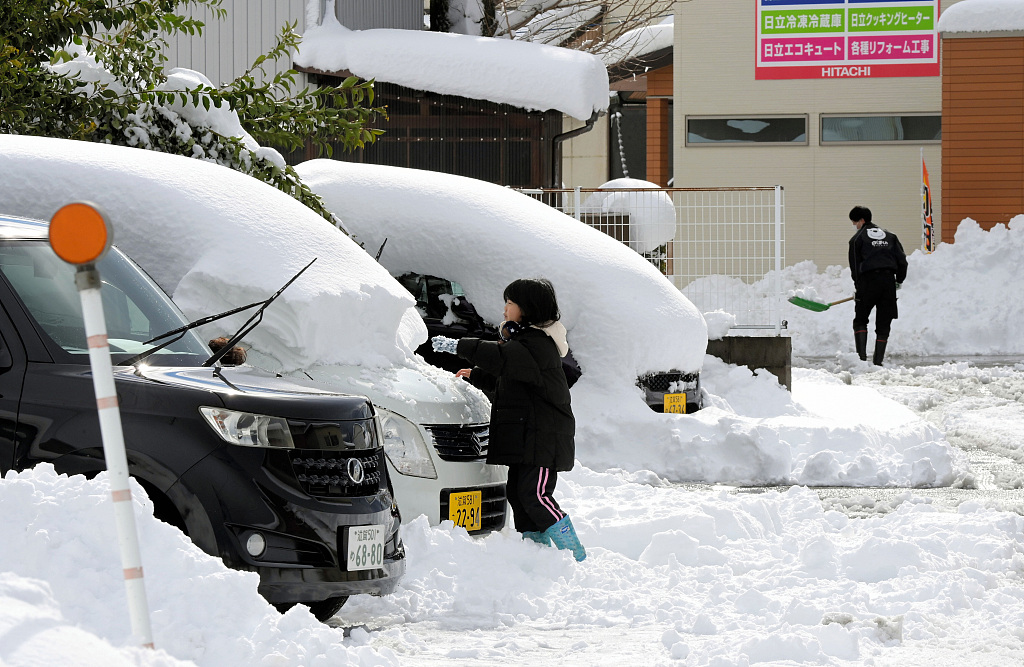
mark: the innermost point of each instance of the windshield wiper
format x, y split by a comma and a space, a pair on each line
179, 333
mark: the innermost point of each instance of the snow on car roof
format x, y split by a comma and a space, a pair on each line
622, 315
212, 238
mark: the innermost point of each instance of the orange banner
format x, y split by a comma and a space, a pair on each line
928, 226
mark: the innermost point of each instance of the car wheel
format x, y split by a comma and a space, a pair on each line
325, 609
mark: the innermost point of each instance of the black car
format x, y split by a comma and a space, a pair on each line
447, 312
273, 476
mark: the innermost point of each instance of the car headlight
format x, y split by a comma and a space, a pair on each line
404, 446
249, 430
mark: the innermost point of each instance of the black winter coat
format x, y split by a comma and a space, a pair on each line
873, 248
531, 418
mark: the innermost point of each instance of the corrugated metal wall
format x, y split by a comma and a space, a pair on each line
982, 129
363, 14
493, 142
228, 47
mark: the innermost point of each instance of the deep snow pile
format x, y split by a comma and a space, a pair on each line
959, 300
672, 577
62, 592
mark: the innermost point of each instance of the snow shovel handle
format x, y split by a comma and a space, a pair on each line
849, 298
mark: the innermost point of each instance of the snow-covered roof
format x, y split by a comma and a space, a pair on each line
553, 26
983, 16
523, 74
640, 42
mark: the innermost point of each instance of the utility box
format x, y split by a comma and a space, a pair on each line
772, 353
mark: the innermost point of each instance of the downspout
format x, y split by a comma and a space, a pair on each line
556, 148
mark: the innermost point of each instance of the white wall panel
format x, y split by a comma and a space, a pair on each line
228, 46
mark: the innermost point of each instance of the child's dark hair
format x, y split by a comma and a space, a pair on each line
860, 213
535, 298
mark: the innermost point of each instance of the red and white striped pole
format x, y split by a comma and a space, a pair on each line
79, 235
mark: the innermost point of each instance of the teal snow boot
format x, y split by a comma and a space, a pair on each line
537, 536
563, 536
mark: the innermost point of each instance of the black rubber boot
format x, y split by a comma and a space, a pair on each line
861, 339
879, 352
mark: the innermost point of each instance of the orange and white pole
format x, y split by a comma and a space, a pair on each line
80, 236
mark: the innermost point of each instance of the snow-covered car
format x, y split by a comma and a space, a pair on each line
215, 239
233, 457
435, 231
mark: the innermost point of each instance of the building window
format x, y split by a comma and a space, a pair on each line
745, 130
916, 128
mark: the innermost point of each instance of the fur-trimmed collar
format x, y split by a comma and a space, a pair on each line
556, 330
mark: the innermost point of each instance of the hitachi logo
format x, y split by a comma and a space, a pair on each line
834, 72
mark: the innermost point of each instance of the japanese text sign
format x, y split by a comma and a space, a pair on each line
836, 39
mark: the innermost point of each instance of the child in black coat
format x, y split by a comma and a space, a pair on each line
532, 425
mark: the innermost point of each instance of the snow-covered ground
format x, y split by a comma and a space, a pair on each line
676, 574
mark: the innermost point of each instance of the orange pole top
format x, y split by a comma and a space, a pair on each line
79, 234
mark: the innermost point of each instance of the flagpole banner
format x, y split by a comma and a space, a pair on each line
843, 39
928, 225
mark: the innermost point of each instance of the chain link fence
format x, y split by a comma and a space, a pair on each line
724, 248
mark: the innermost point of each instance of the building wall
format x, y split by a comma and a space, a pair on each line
983, 128
585, 157
714, 59
228, 47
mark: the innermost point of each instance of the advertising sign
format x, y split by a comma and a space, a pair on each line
840, 39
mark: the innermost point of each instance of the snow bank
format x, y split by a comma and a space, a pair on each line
215, 239
721, 577
523, 74
63, 572
963, 299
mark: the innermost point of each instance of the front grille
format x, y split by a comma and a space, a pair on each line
492, 506
326, 474
461, 443
662, 381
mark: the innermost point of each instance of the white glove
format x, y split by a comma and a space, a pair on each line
444, 344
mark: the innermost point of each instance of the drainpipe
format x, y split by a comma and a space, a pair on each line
556, 148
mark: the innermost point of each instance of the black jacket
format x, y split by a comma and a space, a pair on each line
873, 248
531, 417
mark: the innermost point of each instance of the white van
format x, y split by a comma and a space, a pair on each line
435, 430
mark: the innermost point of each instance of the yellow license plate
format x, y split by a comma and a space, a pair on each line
464, 509
675, 403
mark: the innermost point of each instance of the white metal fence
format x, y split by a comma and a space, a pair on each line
723, 247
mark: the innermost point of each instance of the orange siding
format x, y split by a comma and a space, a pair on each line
658, 139
659, 87
982, 131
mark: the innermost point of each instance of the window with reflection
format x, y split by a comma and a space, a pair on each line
917, 128
746, 130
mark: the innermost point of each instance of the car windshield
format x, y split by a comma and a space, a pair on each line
135, 307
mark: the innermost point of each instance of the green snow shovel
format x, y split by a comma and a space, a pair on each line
814, 305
